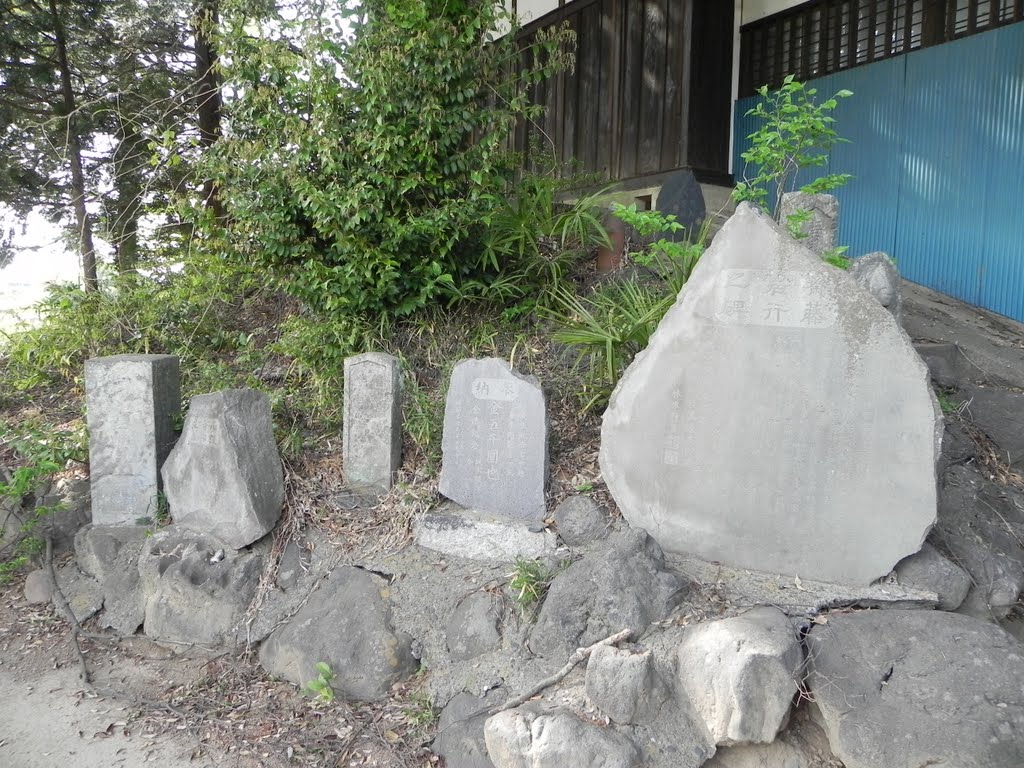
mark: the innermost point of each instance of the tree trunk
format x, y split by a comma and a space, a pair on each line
209, 97
124, 226
86, 249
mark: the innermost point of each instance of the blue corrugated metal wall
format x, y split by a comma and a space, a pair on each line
937, 151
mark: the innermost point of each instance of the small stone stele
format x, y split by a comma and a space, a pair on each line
372, 429
822, 227
495, 443
132, 402
224, 477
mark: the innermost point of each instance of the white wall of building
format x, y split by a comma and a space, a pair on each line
530, 10
752, 10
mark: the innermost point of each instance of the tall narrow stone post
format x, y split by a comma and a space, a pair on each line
132, 402
372, 430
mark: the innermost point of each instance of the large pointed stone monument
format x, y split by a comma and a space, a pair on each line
779, 420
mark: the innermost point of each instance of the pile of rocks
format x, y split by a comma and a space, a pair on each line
775, 455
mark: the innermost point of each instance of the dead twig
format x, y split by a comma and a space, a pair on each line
65, 608
570, 665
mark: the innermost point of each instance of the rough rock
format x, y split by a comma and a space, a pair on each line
224, 476
346, 623
473, 628
110, 555
741, 674
460, 731
958, 447
877, 274
464, 533
621, 584
980, 528
918, 688
625, 686
537, 737
999, 413
196, 587
38, 587
296, 560
132, 402
822, 227
372, 426
773, 387
778, 754
930, 570
581, 521
495, 441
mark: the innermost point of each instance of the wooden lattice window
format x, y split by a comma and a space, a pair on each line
825, 36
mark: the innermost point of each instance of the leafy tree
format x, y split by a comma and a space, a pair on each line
365, 144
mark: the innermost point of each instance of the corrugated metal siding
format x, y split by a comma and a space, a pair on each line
937, 151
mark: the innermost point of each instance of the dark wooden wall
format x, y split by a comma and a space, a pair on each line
651, 91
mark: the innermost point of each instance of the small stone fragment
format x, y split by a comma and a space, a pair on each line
625, 686
877, 274
473, 628
581, 521
38, 587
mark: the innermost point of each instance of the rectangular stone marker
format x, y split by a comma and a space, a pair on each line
132, 402
495, 443
778, 420
372, 429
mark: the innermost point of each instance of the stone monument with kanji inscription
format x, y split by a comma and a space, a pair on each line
779, 420
495, 445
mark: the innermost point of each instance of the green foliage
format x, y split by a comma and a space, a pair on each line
948, 401
321, 686
360, 171
796, 133
837, 257
528, 582
615, 322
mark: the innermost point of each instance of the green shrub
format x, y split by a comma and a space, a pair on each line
796, 133
360, 170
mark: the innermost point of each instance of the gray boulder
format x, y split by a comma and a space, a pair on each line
822, 227
224, 476
931, 571
625, 686
460, 731
110, 555
918, 688
980, 528
196, 588
623, 584
741, 674
84, 595
947, 365
877, 274
58, 512
534, 736
346, 623
581, 521
473, 628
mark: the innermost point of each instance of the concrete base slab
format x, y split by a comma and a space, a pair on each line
454, 530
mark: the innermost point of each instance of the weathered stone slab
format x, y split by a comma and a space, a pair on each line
822, 226
777, 410
224, 476
495, 443
462, 533
132, 402
372, 427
